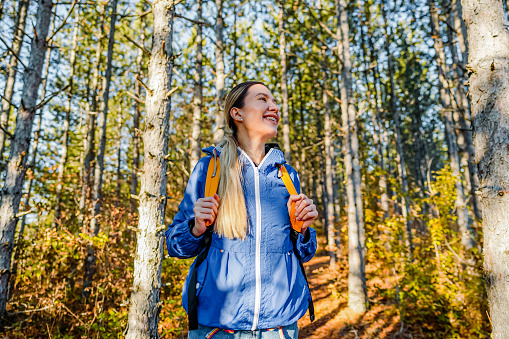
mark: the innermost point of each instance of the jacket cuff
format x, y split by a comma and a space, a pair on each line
306, 245
190, 223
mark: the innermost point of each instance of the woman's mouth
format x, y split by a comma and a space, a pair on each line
272, 120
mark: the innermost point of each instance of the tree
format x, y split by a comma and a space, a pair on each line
198, 93
99, 169
16, 167
220, 77
65, 134
488, 42
145, 307
284, 86
357, 291
17, 42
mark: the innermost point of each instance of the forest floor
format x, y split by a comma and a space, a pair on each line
334, 319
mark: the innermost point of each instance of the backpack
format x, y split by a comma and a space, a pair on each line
211, 185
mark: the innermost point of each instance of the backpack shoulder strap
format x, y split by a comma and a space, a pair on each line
283, 173
211, 185
212, 176
294, 232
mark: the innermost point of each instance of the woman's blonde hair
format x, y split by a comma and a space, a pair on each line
232, 221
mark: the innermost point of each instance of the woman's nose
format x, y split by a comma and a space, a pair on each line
274, 108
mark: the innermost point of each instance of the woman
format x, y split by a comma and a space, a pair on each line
250, 282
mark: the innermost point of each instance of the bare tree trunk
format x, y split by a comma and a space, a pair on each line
198, 94
31, 166
16, 168
220, 123
99, 168
461, 208
465, 138
145, 306
400, 156
65, 135
17, 42
90, 125
119, 155
461, 30
488, 40
357, 290
328, 187
136, 120
284, 81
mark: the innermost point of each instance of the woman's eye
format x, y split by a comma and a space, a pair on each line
265, 100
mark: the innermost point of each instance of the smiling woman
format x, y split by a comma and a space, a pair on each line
247, 276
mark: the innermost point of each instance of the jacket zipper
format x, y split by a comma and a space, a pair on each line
258, 290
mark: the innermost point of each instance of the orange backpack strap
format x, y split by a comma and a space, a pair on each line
212, 181
296, 224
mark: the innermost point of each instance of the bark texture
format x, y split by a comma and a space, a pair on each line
198, 94
284, 83
329, 154
19, 31
65, 135
16, 167
136, 120
448, 105
99, 168
220, 96
145, 305
357, 291
488, 63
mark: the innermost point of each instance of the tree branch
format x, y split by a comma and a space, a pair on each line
145, 51
10, 103
6, 132
135, 97
12, 53
63, 22
50, 97
194, 21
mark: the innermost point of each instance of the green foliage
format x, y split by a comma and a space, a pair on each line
441, 286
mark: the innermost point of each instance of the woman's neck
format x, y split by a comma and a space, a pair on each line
255, 149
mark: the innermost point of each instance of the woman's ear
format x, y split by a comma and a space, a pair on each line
236, 114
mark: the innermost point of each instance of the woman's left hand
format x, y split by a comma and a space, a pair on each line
304, 210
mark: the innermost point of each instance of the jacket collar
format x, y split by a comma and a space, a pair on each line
276, 157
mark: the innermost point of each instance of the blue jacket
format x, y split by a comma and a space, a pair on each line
254, 283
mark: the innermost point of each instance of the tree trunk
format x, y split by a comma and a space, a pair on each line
329, 154
65, 135
284, 87
17, 42
16, 167
31, 166
136, 119
357, 290
488, 40
400, 155
460, 204
461, 30
90, 125
99, 168
220, 122
198, 94
145, 305
465, 138
119, 155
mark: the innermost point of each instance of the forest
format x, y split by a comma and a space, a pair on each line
394, 113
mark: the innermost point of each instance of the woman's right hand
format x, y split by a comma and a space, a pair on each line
205, 209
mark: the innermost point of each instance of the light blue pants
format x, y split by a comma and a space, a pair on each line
284, 332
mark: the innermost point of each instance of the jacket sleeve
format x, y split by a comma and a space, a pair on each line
306, 245
179, 240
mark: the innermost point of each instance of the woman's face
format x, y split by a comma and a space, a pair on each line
260, 115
